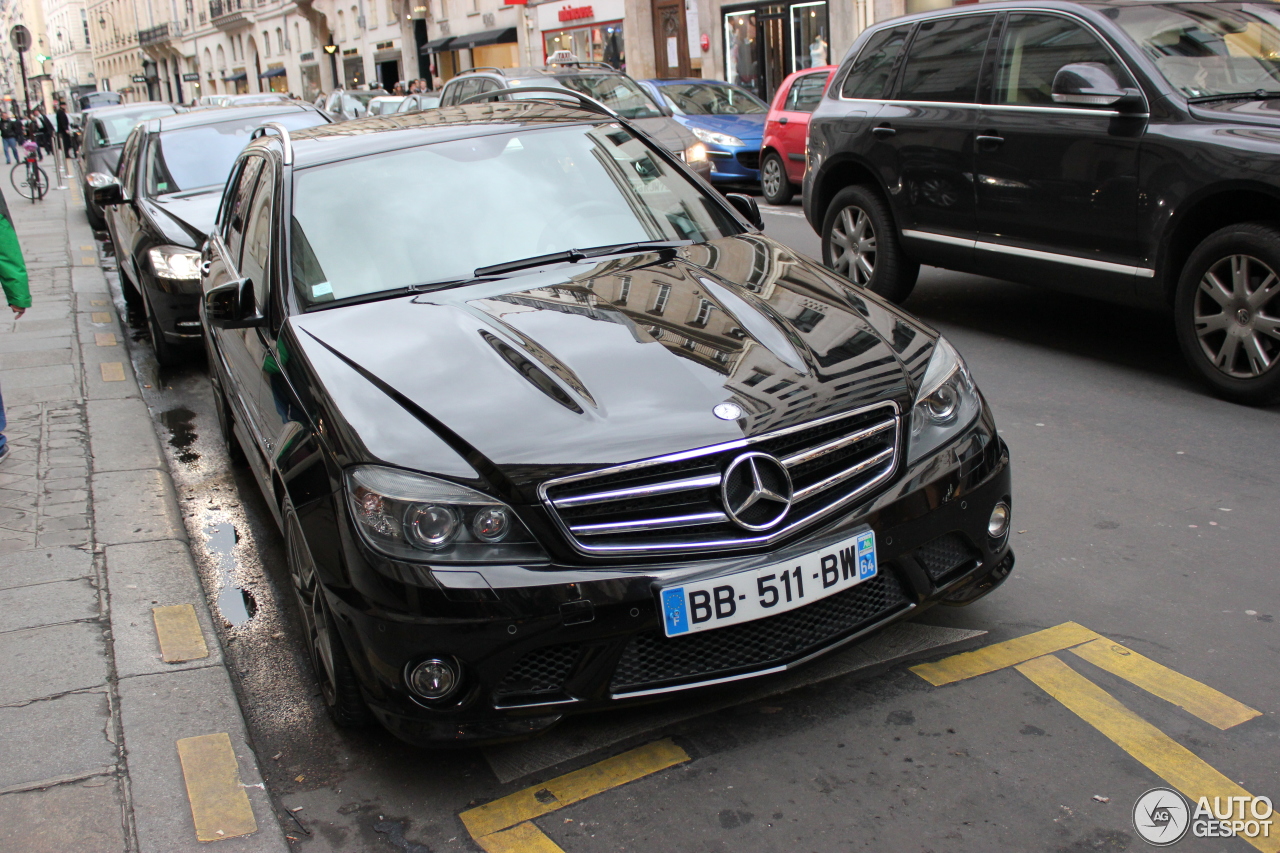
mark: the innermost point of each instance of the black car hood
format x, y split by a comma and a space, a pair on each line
625, 359
186, 220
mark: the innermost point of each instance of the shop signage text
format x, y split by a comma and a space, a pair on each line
573, 13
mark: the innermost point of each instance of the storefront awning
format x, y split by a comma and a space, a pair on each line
435, 45
273, 72
236, 78
499, 36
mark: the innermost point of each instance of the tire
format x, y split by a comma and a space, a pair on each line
129, 290
860, 242
167, 354
339, 685
25, 188
1227, 312
774, 182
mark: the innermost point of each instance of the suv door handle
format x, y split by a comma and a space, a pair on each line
883, 131
989, 139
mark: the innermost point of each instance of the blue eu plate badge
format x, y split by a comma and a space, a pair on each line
673, 611
866, 548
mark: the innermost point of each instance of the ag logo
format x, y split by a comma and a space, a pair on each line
1161, 817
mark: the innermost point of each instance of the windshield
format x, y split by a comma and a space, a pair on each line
112, 130
705, 99
618, 92
195, 157
439, 212
1207, 49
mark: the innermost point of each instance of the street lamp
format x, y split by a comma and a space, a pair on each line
102, 22
332, 50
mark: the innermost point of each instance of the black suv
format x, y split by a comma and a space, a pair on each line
598, 81
1128, 151
623, 447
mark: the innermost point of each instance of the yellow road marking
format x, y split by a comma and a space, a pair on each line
521, 838
86, 261
1161, 754
219, 805
105, 339
100, 317
97, 302
1002, 655
1216, 709
179, 633
570, 788
86, 248
112, 371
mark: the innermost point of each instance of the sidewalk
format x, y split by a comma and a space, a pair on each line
119, 727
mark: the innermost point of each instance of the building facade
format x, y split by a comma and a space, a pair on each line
71, 67
29, 14
117, 56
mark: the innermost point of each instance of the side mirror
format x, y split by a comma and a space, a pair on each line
106, 189
1091, 84
230, 306
746, 205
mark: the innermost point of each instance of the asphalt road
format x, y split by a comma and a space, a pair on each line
1144, 511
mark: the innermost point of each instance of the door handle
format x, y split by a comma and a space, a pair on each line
989, 139
883, 131
783, 120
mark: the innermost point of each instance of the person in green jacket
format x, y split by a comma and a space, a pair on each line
13, 278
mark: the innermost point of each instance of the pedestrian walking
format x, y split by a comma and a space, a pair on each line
13, 278
62, 122
44, 131
11, 133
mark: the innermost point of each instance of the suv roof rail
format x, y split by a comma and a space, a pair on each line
280, 130
589, 104
583, 63
482, 68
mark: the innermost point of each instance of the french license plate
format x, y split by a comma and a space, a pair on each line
757, 593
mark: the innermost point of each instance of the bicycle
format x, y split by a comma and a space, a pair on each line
28, 178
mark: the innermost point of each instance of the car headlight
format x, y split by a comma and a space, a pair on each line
712, 138
175, 262
946, 402
695, 153
415, 517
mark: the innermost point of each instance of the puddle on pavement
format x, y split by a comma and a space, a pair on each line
182, 433
236, 604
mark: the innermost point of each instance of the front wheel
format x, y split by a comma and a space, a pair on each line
860, 242
1227, 312
29, 180
774, 182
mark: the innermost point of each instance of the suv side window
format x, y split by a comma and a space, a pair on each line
945, 60
806, 92
126, 168
255, 263
1035, 47
236, 214
870, 73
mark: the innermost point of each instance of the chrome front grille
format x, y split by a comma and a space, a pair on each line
673, 504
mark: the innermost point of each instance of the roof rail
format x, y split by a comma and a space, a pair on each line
582, 63
283, 132
481, 68
588, 104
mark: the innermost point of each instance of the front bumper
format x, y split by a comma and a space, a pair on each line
176, 307
734, 165
538, 643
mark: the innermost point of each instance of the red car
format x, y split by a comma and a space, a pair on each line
786, 129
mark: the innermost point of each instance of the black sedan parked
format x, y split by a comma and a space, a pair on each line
550, 426
103, 135
161, 205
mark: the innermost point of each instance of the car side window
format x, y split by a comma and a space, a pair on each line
237, 213
255, 262
945, 60
870, 73
1035, 47
128, 167
806, 93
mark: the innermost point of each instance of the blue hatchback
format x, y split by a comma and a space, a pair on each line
728, 119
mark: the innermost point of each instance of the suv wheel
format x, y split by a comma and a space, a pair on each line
1227, 312
859, 241
774, 182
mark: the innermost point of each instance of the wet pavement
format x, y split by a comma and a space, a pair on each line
1143, 510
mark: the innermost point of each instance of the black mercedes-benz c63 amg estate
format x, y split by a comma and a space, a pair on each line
550, 426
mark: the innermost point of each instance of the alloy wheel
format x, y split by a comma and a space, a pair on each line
853, 245
315, 622
771, 177
1236, 315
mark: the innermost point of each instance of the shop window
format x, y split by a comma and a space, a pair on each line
809, 42
742, 65
603, 43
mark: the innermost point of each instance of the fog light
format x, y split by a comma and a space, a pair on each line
433, 679
998, 524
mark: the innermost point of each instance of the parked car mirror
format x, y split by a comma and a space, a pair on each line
230, 306
106, 189
746, 205
1091, 84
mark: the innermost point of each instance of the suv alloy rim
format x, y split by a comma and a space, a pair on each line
1237, 316
853, 245
772, 177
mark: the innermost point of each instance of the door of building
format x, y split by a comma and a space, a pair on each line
671, 40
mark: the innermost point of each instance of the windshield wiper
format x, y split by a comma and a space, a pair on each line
1255, 95
571, 256
638, 246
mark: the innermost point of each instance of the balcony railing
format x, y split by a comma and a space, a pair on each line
164, 32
